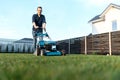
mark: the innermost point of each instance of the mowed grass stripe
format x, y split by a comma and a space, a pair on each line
70, 67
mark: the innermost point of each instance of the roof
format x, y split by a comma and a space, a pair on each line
30, 39
95, 18
24, 40
98, 17
6, 41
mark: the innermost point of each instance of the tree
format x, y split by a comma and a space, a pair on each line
0, 48
29, 49
12, 48
23, 48
6, 50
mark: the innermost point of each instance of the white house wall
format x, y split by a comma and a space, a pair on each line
106, 26
98, 28
113, 14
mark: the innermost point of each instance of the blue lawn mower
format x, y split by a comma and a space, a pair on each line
46, 48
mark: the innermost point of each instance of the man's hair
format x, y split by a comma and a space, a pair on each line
39, 7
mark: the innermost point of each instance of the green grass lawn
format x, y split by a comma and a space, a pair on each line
70, 67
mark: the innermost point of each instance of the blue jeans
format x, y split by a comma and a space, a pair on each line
34, 33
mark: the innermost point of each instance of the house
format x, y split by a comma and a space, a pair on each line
107, 21
25, 41
22, 45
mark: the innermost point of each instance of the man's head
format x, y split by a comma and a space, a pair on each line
39, 10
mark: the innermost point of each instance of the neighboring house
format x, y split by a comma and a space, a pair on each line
22, 45
25, 41
107, 21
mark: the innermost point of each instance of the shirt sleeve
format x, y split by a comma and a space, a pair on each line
33, 18
44, 20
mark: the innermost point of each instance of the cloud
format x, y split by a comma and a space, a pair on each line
96, 3
101, 2
6, 33
3, 20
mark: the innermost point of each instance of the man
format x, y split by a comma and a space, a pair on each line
39, 24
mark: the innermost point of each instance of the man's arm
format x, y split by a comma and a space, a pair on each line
33, 22
44, 26
44, 23
35, 25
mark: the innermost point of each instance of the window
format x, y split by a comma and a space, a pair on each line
114, 25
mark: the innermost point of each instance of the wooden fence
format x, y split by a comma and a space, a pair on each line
106, 43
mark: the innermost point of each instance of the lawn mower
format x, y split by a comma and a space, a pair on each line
46, 48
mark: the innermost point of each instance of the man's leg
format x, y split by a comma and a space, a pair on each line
41, 39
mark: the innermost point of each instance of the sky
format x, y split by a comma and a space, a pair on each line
65, 18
